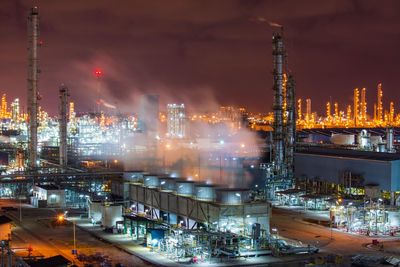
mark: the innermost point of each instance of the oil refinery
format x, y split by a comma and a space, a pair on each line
169, 186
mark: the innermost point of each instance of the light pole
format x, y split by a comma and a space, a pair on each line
74, 238
20, 210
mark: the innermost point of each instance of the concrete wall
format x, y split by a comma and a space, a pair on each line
331, 168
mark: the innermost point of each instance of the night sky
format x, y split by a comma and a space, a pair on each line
203, 53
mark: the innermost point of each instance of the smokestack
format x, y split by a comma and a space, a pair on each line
33, 40
63, 125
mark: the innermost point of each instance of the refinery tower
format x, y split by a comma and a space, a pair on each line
33, 93
280, 171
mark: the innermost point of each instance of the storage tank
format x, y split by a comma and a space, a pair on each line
343, 139
375, 139
151, 180
95, 211
184, 187
111, 215
381, 147
167, 183
364, 140
233, 196
205, 192
389, 140
133, 176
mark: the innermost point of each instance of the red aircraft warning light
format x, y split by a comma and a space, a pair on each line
98, 73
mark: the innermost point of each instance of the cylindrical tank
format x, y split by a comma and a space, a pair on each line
205, 192
151, 180
184, 187
389, 139
133, 176
381, 147
167, 183
375, 139
343, 139
233, 196
110, 215
95, 211
364, 141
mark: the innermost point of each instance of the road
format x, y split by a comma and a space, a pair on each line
291, 225
46, 240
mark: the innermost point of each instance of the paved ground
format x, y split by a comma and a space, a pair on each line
125, 242
47, 240
36, 231
293, 224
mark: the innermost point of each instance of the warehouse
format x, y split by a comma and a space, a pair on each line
351, 168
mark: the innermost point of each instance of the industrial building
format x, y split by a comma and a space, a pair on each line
48, 196
176, 121
334, 165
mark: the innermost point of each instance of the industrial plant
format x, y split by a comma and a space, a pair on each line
170, 186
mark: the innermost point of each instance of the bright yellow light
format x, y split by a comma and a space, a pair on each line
115, 161
61, 218
168, 145
242, 145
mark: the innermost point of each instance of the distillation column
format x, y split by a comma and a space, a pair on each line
63, 90
33, 40
290, 127
278, 140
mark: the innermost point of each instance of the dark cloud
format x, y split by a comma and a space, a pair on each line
202, 51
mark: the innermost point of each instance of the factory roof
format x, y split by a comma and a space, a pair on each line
349, 153
329, 131
135, 217
48, 187
233, 189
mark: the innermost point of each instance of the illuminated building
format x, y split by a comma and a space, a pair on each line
176, 120
15, 112
308, 110
3, 112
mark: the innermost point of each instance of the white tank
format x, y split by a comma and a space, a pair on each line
184, 187
133, 176
389, 140
205, 192
167, 183
233, 196
151, 181
111, 215
375, 139
95, 211
343, 139
364, 140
